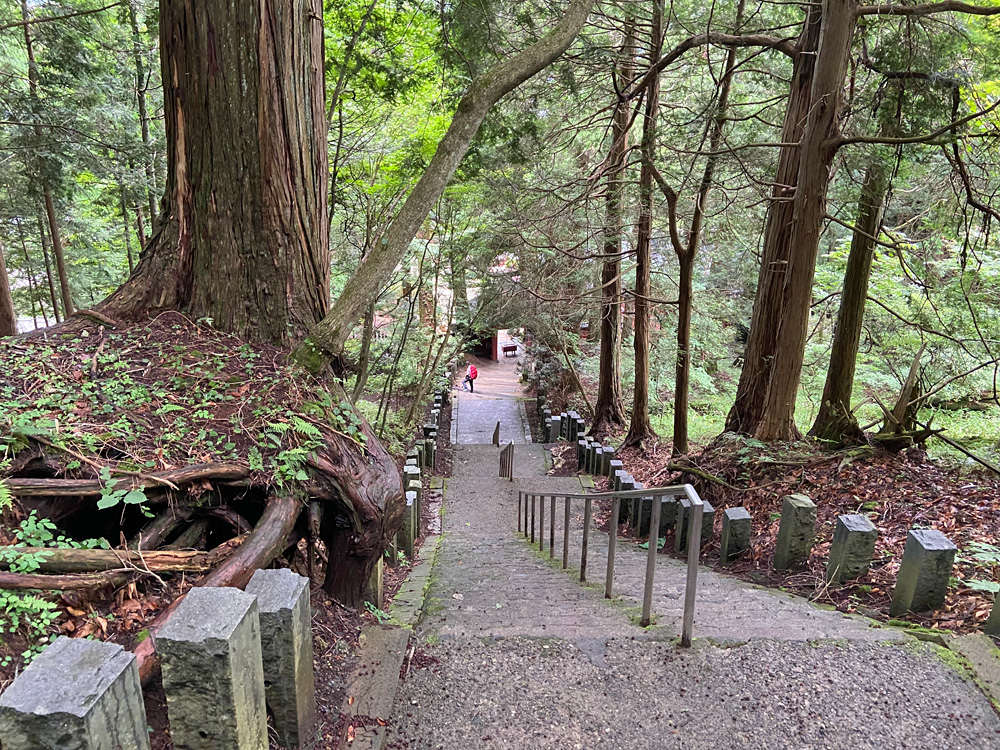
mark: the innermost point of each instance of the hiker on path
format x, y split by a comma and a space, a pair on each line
470, 377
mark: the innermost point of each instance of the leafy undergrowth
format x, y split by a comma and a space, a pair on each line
897, 491
164, 395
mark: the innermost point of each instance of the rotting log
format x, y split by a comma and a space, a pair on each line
58, 560
33, 581
52, 488
268, 539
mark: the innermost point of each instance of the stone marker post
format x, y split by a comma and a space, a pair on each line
924, 572
77, 694
684, 522
286, 646
668, 513
555, 429
609, 458
429, 428
408, 531
614, 466
564, 425
213, 674
430, 452
735, 533
992, 624
597, 464
852, 548
797, 531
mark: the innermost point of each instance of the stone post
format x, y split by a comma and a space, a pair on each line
735, 534
375, 592
924, 572
408, 531
555, 429
852, 548
684, 522
797, 531
77, 694
286, 646
614, 467
564, 426
597, 462
581, 426
609, 458
668, 514
992, 624
430, 452
213, 674
429, 428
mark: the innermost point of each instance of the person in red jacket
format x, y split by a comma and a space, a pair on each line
470, 377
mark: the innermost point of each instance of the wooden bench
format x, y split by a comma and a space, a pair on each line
510, 349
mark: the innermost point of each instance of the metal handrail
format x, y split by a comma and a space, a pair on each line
657, 494
507, 461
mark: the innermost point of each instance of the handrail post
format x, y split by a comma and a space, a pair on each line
587, 512
552, 527
566, 537
612, 543
541, 523
519, 495
532, 519
694, 552
654, 539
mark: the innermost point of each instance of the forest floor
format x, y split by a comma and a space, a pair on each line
897, 491
141, 399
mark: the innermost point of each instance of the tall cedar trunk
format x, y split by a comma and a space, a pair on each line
685, 278
763, 340
327, 339
819, 145
48, 270
610, 407
243, 238
835, 421
8, 318
50, 211
640, 428
140, 96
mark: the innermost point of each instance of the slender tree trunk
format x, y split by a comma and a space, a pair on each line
640, 427
140, 227
32, 284
459, 287
140, 96
243, 238
327, 339
835, 421
8, 318
48, 270
364, 358
50, 211
748, 408
610, 407
127, 230
685, 280
818, 148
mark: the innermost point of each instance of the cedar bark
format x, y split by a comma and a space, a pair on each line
326, 340
610, 407
748, 409
835, 420
640, 428
140, 96
243, 239
819, 145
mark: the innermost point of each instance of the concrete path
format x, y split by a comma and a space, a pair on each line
497, 398
513, 652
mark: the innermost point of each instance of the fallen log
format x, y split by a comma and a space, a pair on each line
160, 528
58, 560
25, 488
22, 581
268, 539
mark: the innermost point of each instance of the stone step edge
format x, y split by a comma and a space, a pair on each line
371, 690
